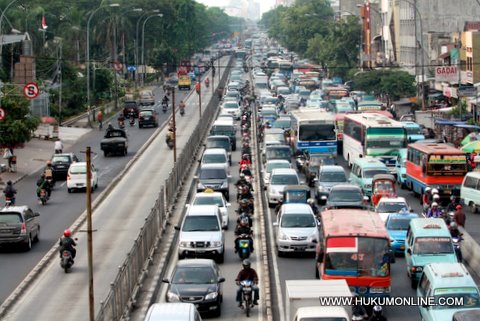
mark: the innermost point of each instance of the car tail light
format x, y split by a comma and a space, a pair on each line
23, 229
68, 177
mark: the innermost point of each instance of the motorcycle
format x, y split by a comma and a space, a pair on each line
121, 124
456, 245
164, 107
131, 117
207, 84
66, 261
8, 201
300, 162
170, 143
247, 294
182, 111
244, 244
43, 196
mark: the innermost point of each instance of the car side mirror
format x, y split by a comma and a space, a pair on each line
323, 198
366, 198
221, 279
177, 227
165, 280
409, 251
275, 223
228, 204
229, 176
187, 205
195, 177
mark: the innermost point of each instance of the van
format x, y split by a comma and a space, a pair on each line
470, 191
428, 241
177, 311
201, 233
363, 170
220, 141
215, 156
225, 127
452, 289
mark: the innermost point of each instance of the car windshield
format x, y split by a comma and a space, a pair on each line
284, 180
278, 153
230, 105
298, 220
223, 130
347, 195
460, 298
225, 144
398, 224
433, 245
209, 200
331, 177
194, 275
369, 173
198, 223
8, 218
391, 207
61, 159
272, 166
414, 131
214, 159
212, 173
314, 132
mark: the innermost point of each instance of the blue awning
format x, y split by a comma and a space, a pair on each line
468, 126
449, 122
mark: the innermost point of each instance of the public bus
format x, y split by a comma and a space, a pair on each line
331, 93
375, 135
286, 68
369, 105
354, 245
436, 165
314, 130
339, 119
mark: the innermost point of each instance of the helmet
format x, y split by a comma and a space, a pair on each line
434, 191
427, 190
458, 207
434, 204
377, 310
242, 175
436, 197
9, 183
67, 233
453, 197
311, 201
453, 225
246, 263
49, 163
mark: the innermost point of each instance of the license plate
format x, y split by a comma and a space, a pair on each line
200, 252
402, 247
79, 184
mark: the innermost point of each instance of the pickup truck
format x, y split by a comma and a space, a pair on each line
114, 142
184, 82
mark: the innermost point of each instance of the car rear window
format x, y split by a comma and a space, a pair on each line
211, 173
283, 179
218, 143
146, 113
61, 159
214, 159
10, 218
209, 200
78, 170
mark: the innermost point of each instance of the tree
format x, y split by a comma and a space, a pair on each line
18, 125
392, 84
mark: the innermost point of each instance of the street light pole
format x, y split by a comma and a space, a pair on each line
144, 69
1, 22
91, 297
137, 42
87, 60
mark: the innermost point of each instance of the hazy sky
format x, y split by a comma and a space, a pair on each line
265, 5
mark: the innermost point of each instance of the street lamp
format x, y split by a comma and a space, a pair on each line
137, 42
143, 44
87, 62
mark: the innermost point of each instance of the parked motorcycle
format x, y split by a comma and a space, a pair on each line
43, 198
247, 294
244, 244
66, 261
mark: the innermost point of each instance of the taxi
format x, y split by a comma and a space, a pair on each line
397, 226
210, 197
446, 289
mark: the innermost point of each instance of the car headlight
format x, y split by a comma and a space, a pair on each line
216, 243
283, 236
172, 297
225, 184
200, 186
211, 296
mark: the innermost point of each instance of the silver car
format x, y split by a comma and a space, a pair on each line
328, 177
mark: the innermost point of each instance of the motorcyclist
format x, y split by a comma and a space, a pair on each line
242, 181
181, 106
207, 82
247, 273
48, 171
121, 120
243, 231
358, 310
245, 161
246, 193
170, 135
377, 314
245, 207
434, 211
452, 206
67, 243
314, 207
42, 183
10, 192
454, 231
109, 127
426, 198
246, 149
165, 100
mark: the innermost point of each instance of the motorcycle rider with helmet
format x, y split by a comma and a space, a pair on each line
10, 192
242, 181
243, 229
452, 206
247, 273
43, 183
358, 310
377, 314
314, 207
426, 199
434, 211
67, 243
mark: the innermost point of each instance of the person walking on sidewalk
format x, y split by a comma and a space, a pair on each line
100, 119
11, 159
58, 146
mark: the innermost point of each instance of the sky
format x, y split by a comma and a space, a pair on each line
265, 5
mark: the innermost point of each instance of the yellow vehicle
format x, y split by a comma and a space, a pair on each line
184, 82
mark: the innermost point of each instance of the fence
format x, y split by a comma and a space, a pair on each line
130, 276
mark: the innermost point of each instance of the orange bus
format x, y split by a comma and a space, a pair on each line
436, 165
335, 93
354, 245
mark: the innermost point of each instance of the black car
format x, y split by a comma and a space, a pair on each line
61, 164
147, 117
130, 108
197, 281
346, 196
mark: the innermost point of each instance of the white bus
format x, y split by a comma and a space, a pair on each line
314, 130
375, 135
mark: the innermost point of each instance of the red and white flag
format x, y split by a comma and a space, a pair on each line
44, 24
342, 245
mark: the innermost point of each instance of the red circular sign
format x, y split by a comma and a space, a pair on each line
2, 113
31, 90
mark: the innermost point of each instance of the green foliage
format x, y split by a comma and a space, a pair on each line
393, 83
459, 110
18, 125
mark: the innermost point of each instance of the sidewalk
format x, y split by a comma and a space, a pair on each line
37, 152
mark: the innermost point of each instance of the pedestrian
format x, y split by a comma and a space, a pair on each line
459, 216
58, 146
8, 155
100, 119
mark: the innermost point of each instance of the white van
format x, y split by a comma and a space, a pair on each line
470, 191
216, 156
173, 312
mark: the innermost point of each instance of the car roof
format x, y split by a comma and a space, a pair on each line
295, 208
195, 262
332, 168
218, 137
214, 151
284, 161
79, 164
369, 162
410, 215
284, 171
398, 199
278, 147
15, 208
208, 194
212, 166
202, 210
449, 275
346, 186
223, 122
429, 227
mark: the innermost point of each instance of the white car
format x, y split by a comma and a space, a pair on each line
271, 165
297, 229
388, 205
280, 178
77, 177
213, 198
216, 156
232, 108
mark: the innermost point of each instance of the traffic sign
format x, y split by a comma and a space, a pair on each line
117, 66
31, 90
132, 68
2, 114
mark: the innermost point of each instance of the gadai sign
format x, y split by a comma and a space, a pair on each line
446, 74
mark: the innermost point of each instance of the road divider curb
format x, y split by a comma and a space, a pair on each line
470, 252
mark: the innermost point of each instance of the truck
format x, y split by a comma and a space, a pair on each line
184, 80
303, 300
114, 142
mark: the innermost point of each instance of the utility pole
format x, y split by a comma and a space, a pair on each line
198, 89
459, 71
174, 126
60, 89
91, 298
